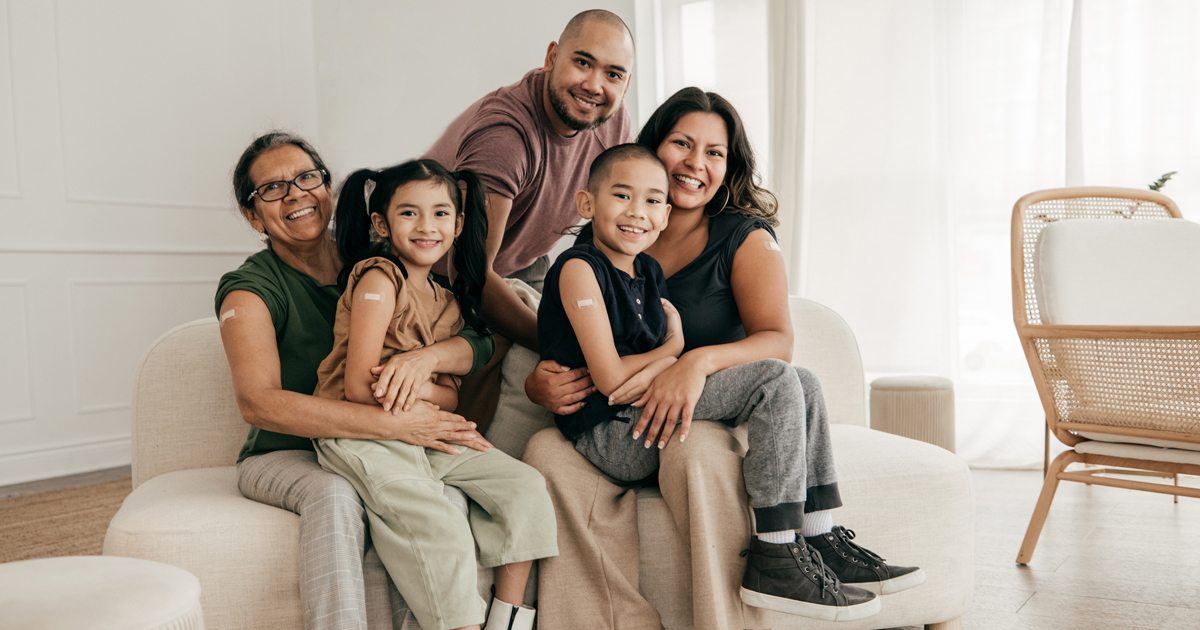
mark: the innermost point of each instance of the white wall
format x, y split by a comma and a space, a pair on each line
388, 86
119, 125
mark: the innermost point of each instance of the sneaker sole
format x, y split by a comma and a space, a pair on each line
894, 585
808, 609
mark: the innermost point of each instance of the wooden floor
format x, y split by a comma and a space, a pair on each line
1108, 559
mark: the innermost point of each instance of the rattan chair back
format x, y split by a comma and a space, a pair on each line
1123, 380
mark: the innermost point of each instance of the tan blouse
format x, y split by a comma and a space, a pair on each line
418, 321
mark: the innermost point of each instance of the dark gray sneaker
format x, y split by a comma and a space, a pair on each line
792, 579
861, 567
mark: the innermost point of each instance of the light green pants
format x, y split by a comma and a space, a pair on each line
422, 538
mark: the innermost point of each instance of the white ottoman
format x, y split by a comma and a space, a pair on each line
98, 593
917, 407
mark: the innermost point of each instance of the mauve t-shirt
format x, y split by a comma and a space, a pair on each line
507, 139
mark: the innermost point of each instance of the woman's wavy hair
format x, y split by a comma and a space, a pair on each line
243, 185
352, 225
746, 195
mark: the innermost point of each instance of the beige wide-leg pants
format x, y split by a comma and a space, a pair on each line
593, 582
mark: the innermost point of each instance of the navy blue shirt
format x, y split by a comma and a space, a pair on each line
635, 313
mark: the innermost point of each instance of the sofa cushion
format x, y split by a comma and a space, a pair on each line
906, 500
244, 553
517, 418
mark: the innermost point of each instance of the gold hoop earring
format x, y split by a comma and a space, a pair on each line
721, 208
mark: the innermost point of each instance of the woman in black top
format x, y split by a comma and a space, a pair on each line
726, 276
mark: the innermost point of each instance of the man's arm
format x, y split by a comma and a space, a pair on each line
502, 309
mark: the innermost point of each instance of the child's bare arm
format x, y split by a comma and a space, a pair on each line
577, 285
441, 391
371, 308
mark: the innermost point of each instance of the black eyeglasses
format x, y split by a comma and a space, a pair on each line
274, 191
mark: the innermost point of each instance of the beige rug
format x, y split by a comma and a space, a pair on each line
69, 522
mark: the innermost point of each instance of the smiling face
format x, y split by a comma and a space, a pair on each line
628, 209
421, 224
586, 77
695, 153
300, 219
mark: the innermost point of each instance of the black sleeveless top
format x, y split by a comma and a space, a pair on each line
702, 291
635, 313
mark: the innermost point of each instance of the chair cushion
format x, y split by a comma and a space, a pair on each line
1141, 451
1128, 439
1119, 272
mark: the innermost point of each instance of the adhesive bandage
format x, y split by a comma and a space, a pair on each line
772, 245
374, 297
588, 303
228, 315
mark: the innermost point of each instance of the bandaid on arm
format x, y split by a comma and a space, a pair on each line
372, 297
772, 245
227, 315
585, 303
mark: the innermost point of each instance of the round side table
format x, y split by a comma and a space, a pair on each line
98, 592
917, 407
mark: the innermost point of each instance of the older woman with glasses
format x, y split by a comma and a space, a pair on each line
277, 312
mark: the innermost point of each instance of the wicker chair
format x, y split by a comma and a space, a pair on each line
1116, 360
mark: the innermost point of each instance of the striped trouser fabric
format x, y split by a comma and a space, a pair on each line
333, 533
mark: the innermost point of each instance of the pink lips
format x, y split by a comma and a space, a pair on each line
425, 243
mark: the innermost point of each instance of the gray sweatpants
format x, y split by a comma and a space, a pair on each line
789, 460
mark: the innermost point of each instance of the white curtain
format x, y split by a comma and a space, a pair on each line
899, 135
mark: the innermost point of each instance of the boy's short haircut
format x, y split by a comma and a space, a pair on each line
603, 162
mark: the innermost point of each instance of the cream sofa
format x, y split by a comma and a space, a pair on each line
908, 500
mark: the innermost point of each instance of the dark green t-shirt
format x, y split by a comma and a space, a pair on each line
302, 311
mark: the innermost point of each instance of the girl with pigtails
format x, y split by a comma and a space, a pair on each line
391, 305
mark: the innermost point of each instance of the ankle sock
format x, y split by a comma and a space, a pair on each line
778, 538
817, 523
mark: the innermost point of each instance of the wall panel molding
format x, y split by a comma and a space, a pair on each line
56, 460
91, 282
10, 181
144, 203
16, 374
220, 74
114, 320
94, 409
130, 250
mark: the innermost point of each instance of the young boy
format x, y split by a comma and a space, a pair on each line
604, 307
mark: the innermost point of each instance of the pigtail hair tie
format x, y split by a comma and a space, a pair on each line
368, 188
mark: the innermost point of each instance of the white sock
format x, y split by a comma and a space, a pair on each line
778, 538
817, 523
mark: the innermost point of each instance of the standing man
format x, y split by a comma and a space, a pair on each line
532, 143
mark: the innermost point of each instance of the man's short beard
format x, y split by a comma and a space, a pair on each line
564, 114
